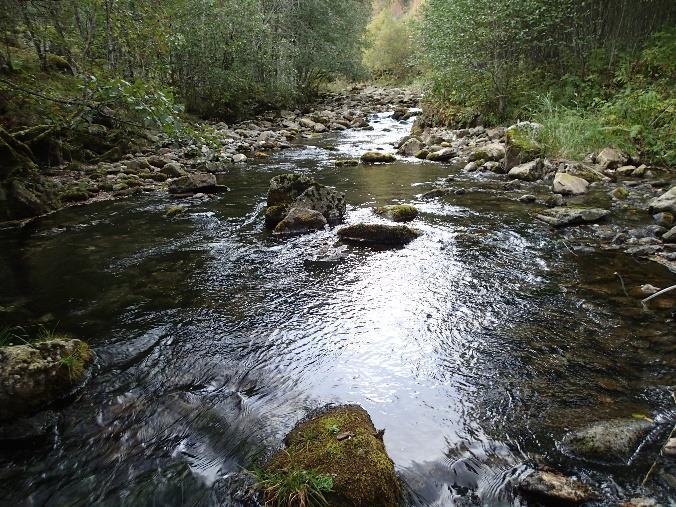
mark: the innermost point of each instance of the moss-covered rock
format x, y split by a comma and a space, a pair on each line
398, 212
342, 443
379, 234
36, 375
347, 162
520, 147
285, 188
378, 157
301, 221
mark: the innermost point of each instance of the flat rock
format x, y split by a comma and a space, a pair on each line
380, 234
563, 216
193, 183
665, 202
442, 155
613, 441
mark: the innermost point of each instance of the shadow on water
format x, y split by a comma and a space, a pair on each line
476, 347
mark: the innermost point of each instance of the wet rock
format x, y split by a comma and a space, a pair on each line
470, 167
494, 167
360, 471
193, 183
422, 154
564, 216
670, 235
411, 147
325, 200
551, 487
34, 376
398, 212
378, 157
436, 192
664, 219
641, 502
379, 234
173, 170
301, 221
611, 158
239, 158
530, 171
29, 430
665, 202
567, 184
527, 198
613, 441
442, 155
620, 193
350, 162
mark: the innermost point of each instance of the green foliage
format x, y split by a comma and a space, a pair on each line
389, 54
293, 488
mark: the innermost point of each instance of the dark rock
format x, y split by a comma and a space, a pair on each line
193, 183
670, 235
379, 234
436, 192
301, 221
551, 488
398, 212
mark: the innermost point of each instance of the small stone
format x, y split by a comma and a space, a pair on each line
670, 447
620, 193
527, 198
239, 158
350, 162
649, 290
345, 435
665, 219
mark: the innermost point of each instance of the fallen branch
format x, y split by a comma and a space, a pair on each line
663, 291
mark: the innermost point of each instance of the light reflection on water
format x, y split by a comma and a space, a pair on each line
476, 347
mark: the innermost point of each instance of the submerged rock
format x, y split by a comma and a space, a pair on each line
300, 221
398, 212
379, 234
551, 487
436, 192
560, 217
613, 441
355, 467
378, 157
33, 376
567, 184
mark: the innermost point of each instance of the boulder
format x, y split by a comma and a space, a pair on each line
611, 158
348, 162
615, 441
520, 146
285, 188
550, 487
665, 202
493, 152
530, 171
567, 184
193, 183
301, 221
442, 155
376, 157
398, 212
411, 147
325, 200
380, 234
34, 376
670, 235
173, 170
239, 158
581, 171
346, 455
563, 216
158, 161
494, 167
471, 167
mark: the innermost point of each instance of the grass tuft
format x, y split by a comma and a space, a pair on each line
293, 488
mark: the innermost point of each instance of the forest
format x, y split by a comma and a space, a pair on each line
354, 253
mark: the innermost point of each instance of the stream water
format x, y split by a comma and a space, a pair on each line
476, 347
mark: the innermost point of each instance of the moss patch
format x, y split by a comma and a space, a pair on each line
342, 443
398, 212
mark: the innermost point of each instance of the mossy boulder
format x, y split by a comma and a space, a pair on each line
34, 376
493, 152
342, 443
285, 188
520, 147
347, 162
301, 221
398, 212
379, 234
378, 157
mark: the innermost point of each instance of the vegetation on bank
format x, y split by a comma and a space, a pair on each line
593, 73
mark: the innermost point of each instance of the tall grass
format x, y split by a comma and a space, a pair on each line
293, 488
574, 132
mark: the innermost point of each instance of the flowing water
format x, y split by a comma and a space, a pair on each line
477, 346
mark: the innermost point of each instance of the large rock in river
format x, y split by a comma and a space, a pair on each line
552, 488
615, 441
300, 221
665, 202
563, 216
346, 455
193, 183
567, 184
530, 171
411, 147
378, 157
398, 212
379, 234
33, 376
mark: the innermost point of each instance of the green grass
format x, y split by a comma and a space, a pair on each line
575, 132
293, 488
